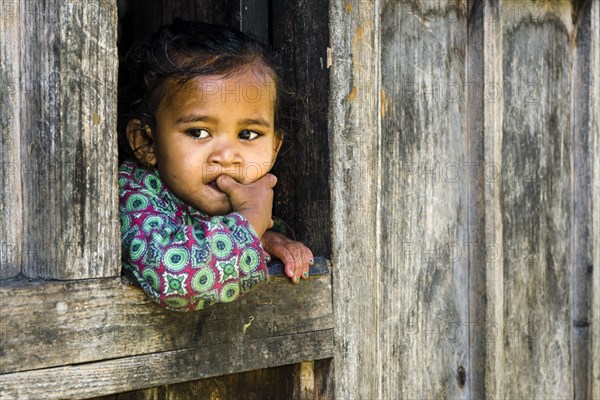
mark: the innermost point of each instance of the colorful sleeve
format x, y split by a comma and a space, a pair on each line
188, 267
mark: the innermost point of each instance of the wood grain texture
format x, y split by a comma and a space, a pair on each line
259, 384
354, 179
536, 200
465, 183
481, 212
51, 324
130, 373
591, 16
68, 71
285, 383
482, 147
425, 202
489, 120
11, 205
300, 36
582, 108
324, 383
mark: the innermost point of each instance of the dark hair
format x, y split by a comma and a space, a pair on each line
182, 51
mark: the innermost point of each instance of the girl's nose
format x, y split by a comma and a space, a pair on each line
225, 153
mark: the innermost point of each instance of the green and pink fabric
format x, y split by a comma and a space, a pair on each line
184, 259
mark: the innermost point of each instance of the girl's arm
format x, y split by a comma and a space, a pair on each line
191, 265
280, 241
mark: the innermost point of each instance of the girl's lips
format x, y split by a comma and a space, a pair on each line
213, 184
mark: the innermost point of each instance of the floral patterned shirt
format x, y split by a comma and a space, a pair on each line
184, 259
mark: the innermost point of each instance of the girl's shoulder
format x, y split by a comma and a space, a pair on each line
134, 176
142, 181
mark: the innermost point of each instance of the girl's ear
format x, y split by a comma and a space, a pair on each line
141, 142
278, 141
277, 145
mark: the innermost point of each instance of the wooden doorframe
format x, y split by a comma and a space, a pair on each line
88, 332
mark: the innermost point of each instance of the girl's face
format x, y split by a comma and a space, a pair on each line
213, 126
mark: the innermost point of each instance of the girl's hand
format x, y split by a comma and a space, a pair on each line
296, 257
254, 200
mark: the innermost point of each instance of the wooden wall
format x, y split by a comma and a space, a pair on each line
465, 198
461, 209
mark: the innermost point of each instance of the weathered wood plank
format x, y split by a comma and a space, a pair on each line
536, 200
259, 384
303, 381
45, 324
130, 373
68, 70
270, 383
489, 120
301, 36
354, 177
324, 383
483, 39
11, 206
583, 109
426, 202
592, 17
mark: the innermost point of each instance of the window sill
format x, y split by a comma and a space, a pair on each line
101, 336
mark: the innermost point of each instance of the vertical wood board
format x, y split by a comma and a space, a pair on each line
536, 200
584, 77
354, 143
424, 267
592, 17
11, 206
482, 146
488, 285
68, 139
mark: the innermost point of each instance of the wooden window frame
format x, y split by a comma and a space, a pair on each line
87, 331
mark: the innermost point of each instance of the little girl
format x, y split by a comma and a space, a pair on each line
200, 130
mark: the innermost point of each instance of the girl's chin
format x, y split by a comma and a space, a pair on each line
215, 208
209, 204
216, 213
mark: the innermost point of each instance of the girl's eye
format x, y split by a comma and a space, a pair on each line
198, 133
249, 135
